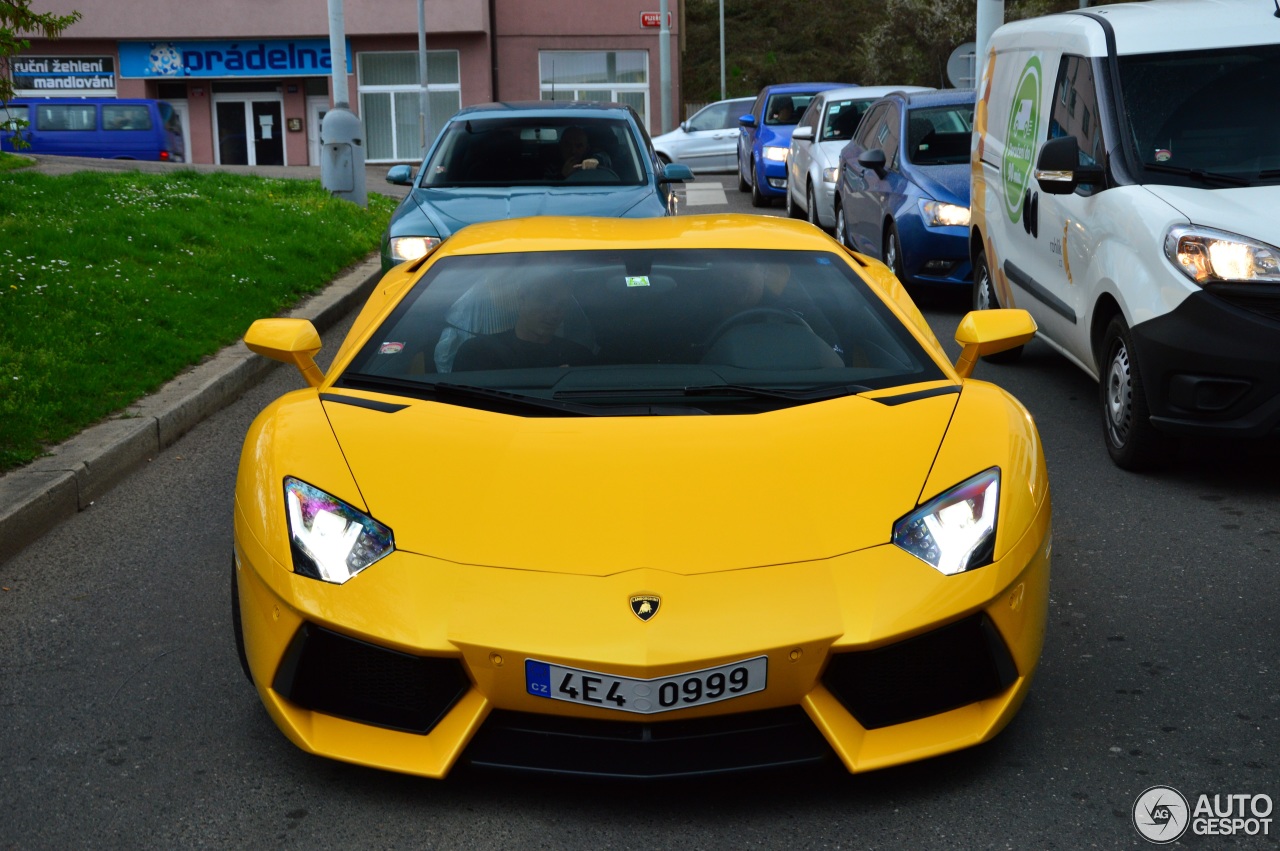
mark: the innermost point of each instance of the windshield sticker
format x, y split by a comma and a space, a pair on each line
638, 281
1020, 140
391, 348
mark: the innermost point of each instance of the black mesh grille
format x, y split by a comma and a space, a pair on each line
1262, 299
922, 676
331, 673
773, 738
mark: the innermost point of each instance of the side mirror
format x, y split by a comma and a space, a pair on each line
292, 341
1058, 169
988, 332
675, 173
747, 120
802, 133
874, 160
684, 125
400, 175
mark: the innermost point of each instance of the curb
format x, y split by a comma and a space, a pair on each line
37, 497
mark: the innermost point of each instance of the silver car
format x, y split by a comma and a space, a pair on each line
813, 163
709, 140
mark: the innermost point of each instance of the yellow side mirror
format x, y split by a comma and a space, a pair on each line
292, 341
987, 332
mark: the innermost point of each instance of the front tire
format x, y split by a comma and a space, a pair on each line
743, 186
236, 625
1132, 441
985, 298
811, 208
757, 198
841, 236
892, 252
793, 209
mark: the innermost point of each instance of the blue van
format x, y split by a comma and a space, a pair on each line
120, 129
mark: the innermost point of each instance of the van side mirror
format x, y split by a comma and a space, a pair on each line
1058, 168
873, 160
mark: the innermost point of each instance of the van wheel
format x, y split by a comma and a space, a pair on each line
757, 197
985, 298
236, 626
1132, 441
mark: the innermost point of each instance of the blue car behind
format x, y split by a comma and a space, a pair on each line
507, 160
765, 138
903, 189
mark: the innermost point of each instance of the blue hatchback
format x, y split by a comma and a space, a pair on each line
542, 158
765, 138
903, 189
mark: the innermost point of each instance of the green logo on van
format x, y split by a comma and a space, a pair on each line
1020, 139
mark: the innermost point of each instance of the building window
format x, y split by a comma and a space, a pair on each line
614, 75
389, 101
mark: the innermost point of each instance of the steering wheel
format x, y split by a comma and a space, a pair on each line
591, 175
757, 314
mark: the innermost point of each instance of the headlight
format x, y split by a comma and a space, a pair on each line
937, 214
330, 539
405, 248
955, 531
831, 175
777, 155
1209, 256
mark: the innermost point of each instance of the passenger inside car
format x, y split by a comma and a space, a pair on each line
534, 340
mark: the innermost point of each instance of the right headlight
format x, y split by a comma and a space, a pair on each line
1209, 256
956, 530
404, 248
331, 540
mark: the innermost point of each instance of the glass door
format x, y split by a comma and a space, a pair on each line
233, 147
250, 131
268, 143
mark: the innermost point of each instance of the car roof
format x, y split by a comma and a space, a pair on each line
803, 88
602, 109
943, 97
872, 92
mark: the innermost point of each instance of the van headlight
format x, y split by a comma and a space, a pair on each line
956, 530
1209, 256
331, 540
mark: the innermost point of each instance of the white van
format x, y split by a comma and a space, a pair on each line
1126, 191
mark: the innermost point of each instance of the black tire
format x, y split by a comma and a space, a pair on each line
793, 209
985, 298
757, 198
841, 233
236, 626
1132, 441
892, 251
743, 186
811, 208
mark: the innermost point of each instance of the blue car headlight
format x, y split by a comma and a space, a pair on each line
331, 540
956, 530
776, 154
938, 214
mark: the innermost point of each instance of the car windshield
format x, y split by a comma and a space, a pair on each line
1193, 113
533, 151
939, 135
842, 118
641, 330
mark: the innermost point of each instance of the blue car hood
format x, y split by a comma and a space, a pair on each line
946, 183
451, 209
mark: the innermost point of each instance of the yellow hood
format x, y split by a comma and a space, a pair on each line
601, 495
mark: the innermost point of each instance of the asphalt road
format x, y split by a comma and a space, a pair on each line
125, 721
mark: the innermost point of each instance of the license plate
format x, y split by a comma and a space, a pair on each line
664, 694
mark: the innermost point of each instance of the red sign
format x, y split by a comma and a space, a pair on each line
654, 19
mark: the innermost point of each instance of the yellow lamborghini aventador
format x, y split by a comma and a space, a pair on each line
641, 498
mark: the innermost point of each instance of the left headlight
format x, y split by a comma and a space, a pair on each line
1209, 256
404, 248
331, 540
831, 175
955, 531
775, 154
937, 214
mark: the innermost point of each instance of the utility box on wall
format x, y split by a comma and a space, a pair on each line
342, 156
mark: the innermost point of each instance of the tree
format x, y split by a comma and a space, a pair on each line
17, 21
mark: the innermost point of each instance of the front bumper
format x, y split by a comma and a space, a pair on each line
862, 655
771, 177
936, 256
1212, 365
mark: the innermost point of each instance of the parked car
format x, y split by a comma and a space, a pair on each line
690, 496
764, 138
814, 162
1126, 194
107, 128
903, 194
709, 140
509, 160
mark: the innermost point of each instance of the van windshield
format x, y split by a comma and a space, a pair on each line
1204, 118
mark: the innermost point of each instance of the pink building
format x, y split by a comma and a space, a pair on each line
251, 79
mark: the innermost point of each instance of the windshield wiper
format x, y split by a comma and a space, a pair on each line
703, 390
1197, 173
447, 390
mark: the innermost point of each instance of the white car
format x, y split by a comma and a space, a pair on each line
1125, 183
813, 164
709, 140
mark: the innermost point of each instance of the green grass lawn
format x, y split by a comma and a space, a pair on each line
112, 283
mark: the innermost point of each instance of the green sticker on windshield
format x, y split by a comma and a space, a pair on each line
1020, 139
638, 281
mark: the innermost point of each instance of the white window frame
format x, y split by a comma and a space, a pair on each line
547, 89
437, 121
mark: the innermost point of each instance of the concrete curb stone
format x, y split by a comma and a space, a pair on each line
35, 498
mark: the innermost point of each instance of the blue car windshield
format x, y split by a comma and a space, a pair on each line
535, 151
654, 325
